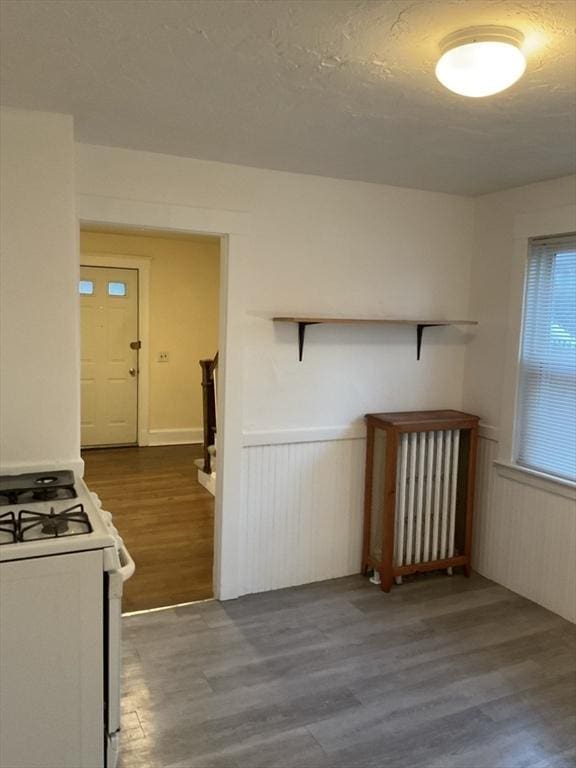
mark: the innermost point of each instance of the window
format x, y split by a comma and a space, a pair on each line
546, 415
116, 289
86, 287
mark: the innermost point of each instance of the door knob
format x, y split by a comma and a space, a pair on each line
132, 371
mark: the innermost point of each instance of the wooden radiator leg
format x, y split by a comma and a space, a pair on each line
385, 581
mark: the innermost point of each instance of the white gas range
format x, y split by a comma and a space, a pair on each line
62, 569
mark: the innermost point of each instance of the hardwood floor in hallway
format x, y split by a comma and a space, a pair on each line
165, 517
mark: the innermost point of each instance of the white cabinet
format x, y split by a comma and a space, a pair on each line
52, 662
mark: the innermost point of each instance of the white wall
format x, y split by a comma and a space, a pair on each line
323, 246
39, 384
496, 216
315, 245
525, 536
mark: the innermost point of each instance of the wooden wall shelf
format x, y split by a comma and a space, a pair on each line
303, 321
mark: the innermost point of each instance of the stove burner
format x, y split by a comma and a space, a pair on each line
40, 525
54, 525
46, 494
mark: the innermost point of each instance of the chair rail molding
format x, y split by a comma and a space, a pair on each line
303, 435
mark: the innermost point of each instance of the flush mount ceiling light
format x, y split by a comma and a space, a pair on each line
481, 61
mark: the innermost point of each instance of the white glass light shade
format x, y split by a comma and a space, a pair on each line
481, 63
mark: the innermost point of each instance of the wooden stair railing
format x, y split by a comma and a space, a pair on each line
209, 409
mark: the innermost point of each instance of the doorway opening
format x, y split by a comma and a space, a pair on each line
149, 318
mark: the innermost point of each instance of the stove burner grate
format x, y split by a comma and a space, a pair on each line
40, 525
36, 487
8, 528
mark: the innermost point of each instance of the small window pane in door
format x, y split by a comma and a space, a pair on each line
86, 287
116, 289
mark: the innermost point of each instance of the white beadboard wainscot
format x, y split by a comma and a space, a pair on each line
301, 512
524, 536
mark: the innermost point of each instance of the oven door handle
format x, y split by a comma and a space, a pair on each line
127, 564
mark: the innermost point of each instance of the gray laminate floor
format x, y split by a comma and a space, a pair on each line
444, 672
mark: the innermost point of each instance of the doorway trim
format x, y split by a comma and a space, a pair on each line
142, 265
233, 228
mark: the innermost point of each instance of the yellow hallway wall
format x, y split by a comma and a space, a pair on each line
184, 291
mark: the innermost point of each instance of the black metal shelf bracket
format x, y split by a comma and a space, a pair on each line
303, 324
301, 334
419, 329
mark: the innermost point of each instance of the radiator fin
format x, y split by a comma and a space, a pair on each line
426, 496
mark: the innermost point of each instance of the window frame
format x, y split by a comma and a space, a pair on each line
84, 293
116, 295
512, 462
535, 222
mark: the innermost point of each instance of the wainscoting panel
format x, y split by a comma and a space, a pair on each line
301, 513
482, 535
301, 521
525, 537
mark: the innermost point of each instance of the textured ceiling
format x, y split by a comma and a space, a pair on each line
342, 88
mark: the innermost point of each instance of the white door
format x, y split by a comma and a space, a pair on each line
109, 370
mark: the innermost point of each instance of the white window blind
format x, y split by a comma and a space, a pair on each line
546, 415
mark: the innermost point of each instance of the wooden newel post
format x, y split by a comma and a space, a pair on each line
209, 411
419, 493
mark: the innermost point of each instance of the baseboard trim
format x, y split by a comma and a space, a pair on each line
158, 437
